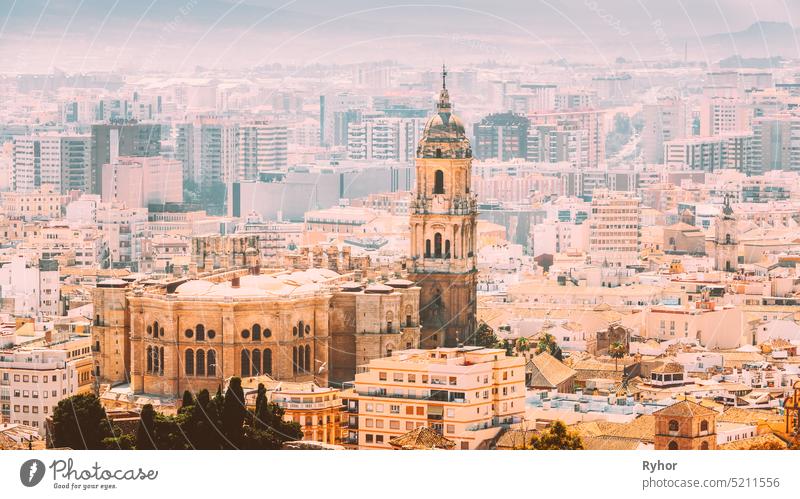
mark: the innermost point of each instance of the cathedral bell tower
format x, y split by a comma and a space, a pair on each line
726, 240
443, 229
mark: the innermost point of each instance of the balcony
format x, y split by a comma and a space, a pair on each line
438, 396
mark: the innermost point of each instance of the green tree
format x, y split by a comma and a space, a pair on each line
188, 400
616, 351
146, 432
556, 437
523, 344
80, 422
234, 413
547, 343
484, 337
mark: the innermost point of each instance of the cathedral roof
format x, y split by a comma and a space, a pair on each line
444, 135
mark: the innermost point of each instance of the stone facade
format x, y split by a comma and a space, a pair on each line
444, 230
110, 345
685, 425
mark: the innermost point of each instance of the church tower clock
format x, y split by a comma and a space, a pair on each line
444, 229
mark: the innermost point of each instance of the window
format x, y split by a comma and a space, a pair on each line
256, 332
438, 182
451, 428
201, 363
368, 438
211, 334
378, 439
704, 446
397, 377
704, 425
410, 410
267, 360
267, 333
256, 362
188, 333
394, 409
189, 362
149, 353
308, 358
673, 445
378, 423
245, 333
200, 332
420, 411
369, 423
212, 363
412, 378
245, 367
673, 425
382, 376
437, 245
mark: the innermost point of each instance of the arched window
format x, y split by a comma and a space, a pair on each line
389, 319
437, 245
245, 362
256, 362
294, 360
704, 446
438, 152
201, 363
438, 182
308, 359
189, 362
301, 357
673, 425
294, 331
200, 332
161, 367
409, 318
300, 329
673, 445
447, 249
149, 359
267, 359
155, 360
256, 332
308, 329
161, 332
149, 330
704, 425
267, 333
727, 239
155, 328
211, 362
427, 248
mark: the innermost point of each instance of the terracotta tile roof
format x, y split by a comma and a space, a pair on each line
548, 371
420, 439
605, 442
642, 428
748, 416
747, 443
515, 439
669, 368
686, 408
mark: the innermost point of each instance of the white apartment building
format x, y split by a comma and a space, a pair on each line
614, 230
262, 147
721, 115
663, 121
33, 379
140, 181
466, 394
725, 151
29, 288
62, 162
386, 139
82, 246
44, 203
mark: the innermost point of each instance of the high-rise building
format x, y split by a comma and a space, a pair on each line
62, 162
720, 115
502, 136
576, 124
614, 229
385, 139
262, 147
663, 121
114, 140
141, 181
216, 151
444, 230
727, 151
776, 143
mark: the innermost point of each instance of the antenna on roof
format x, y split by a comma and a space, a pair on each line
444, 76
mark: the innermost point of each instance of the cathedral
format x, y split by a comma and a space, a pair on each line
443, 226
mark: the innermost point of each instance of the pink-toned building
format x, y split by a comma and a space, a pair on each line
141, 181
467, 394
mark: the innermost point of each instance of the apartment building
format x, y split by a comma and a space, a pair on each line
35, 377
467, 394
614, 230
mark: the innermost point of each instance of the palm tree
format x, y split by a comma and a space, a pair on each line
616, 351
523, 344
547, 343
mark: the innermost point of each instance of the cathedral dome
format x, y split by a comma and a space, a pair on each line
444, 135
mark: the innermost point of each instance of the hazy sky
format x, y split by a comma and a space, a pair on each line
83, 35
